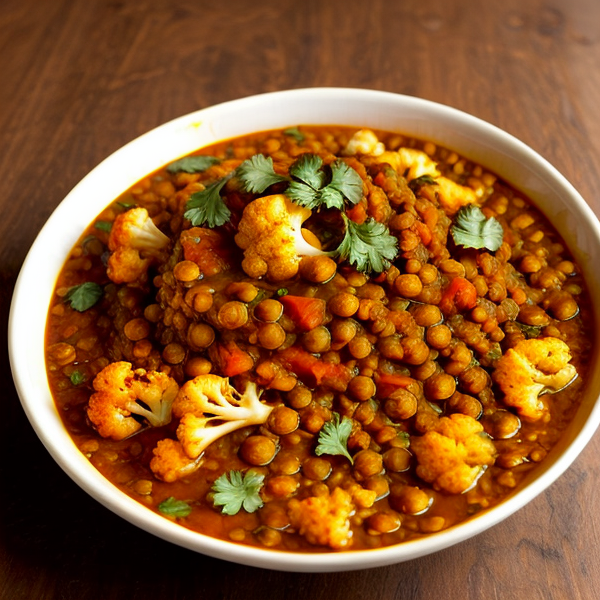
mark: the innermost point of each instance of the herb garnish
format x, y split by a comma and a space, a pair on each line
333, 437
472, 229
83, 296
193, 164
103, 225
174, 508
257, 174
370, 246
295, 133
529, 331
309, 188
206, 207
235, 490
418, 182
77, 378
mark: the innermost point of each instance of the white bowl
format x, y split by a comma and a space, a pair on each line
469, 136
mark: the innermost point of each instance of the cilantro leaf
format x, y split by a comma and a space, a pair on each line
83, 296
235, 490
295, 133
77, 378
309, 187
303, 195
257, 174
206, 207
193, 164
369, 246
174, 508
346, 181
418, 182
126, 205
308, 170
529, 331
333, 437
472, 229
103, 225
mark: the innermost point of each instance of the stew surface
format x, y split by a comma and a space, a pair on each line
319, 339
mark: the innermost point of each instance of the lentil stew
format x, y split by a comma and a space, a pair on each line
332, 339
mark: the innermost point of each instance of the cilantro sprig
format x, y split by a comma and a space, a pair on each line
311, 187
83, 296
257, 174
193, 164
471, 229
235, 490
207, 207
174, 508
369, 246
333, 437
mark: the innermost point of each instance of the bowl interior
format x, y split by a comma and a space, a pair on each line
470, 137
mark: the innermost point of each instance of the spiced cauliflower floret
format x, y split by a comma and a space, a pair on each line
121, 393
453, 454
530, 368
208, 408
412, 164
271, 235
324, 520
134, 241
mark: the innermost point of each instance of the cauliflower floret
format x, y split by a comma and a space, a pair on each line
324, 520
531, 367
170, 462
364, 141
271, 235
125, 265
133, 241
209, 408
453, 454
411, 164
122, 392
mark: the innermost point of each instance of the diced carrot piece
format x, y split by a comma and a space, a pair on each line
231, 359
461, 294
388, 383
307, 313
313, 371
358, 213
424, 232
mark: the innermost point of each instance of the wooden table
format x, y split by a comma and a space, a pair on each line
79, 79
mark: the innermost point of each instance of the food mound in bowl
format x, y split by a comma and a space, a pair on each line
319, 338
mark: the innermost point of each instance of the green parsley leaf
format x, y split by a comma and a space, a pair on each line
369, 247
295, 133
282, 292
257, 174
235, 490
472, 229
418, 182
77, 377
174, 508
103, 225
206, 207
83, 296
333, 437
193, 164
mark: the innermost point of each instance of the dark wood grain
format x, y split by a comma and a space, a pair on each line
78, 79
